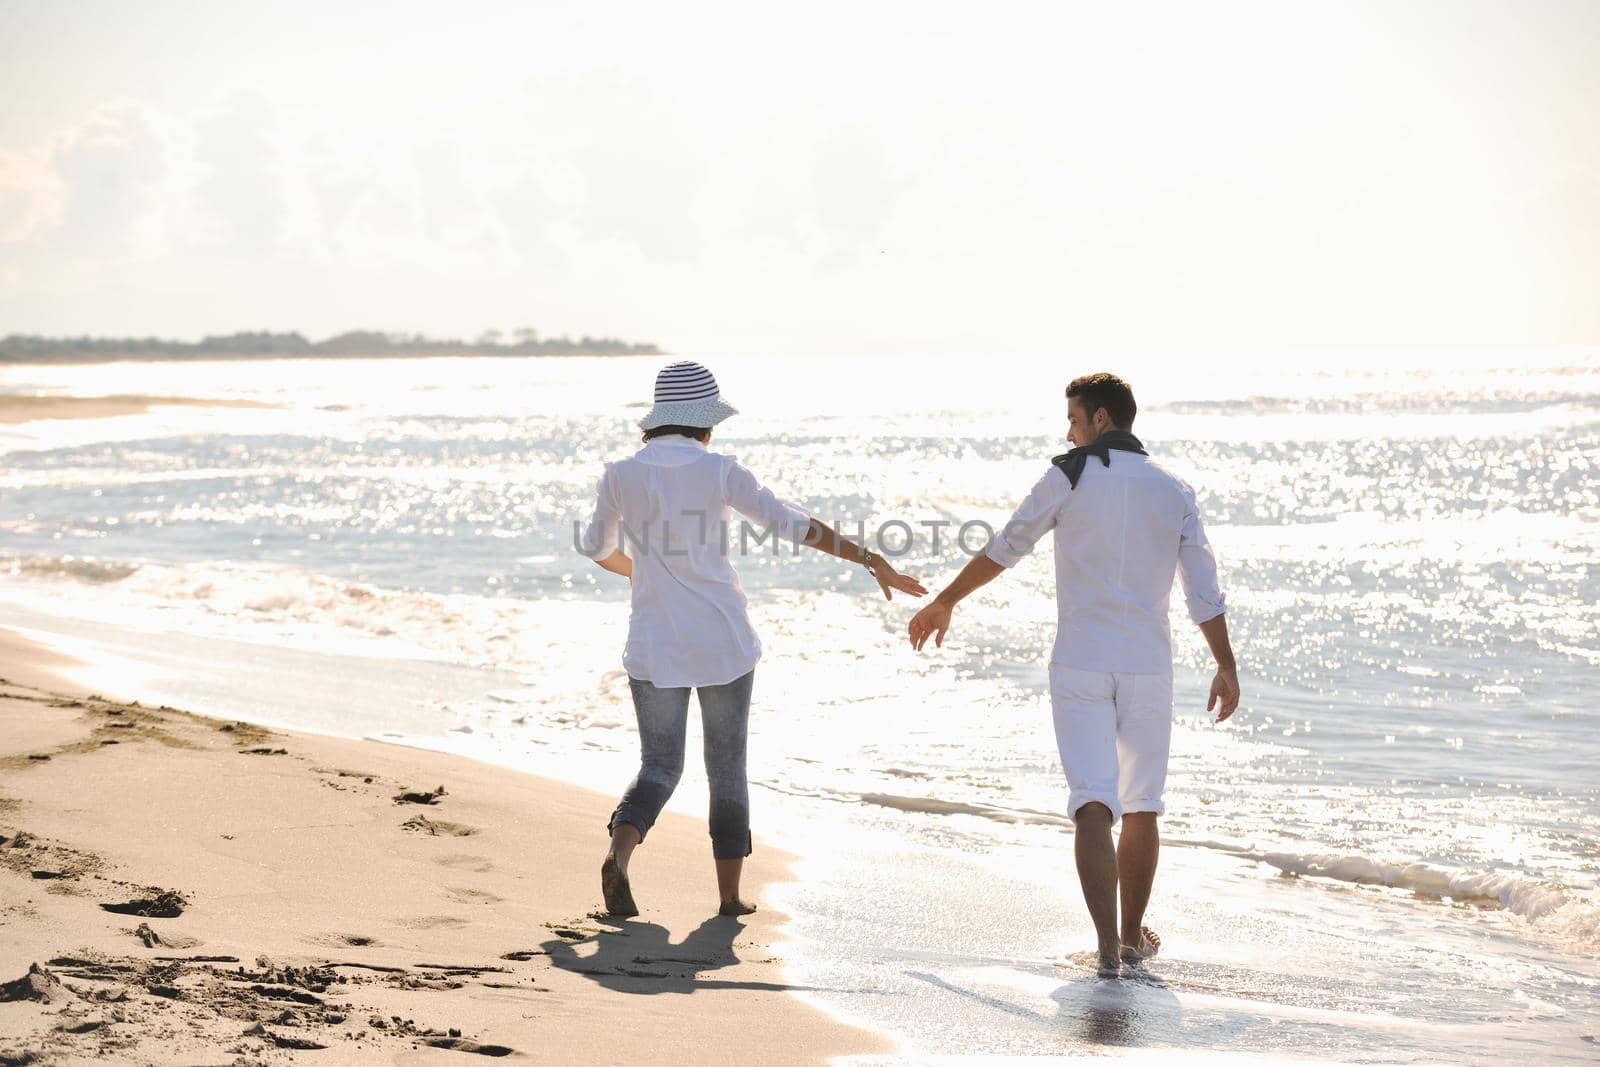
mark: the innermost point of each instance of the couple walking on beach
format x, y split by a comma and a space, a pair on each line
1123, 528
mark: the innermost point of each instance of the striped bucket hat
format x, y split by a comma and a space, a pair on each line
686, 395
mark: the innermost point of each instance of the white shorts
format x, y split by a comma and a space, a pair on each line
1114, 732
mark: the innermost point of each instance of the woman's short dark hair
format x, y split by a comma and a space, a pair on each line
699, 433
1102, 390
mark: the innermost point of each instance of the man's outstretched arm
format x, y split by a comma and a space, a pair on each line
1035, 515
934, 619
1225, 685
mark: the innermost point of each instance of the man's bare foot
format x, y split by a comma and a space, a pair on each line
735, 907
1109, 964
614, 887
1146, 945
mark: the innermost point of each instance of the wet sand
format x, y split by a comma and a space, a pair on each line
18, 409
182, 890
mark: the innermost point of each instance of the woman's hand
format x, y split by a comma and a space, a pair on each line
890, 579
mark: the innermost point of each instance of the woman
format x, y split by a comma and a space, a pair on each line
672, 502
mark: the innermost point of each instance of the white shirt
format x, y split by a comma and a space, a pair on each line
1119, 538
669, 507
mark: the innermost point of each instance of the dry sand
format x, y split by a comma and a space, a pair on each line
181, 890
14, 409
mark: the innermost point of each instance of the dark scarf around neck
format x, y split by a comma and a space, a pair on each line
1072, 463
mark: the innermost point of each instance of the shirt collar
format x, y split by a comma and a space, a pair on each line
673, 440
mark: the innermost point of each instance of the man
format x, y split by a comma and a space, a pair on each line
1123, 526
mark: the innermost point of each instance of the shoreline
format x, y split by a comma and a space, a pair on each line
189, 887
17, 410
245, 357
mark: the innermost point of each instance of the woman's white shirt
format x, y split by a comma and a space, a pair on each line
669, 507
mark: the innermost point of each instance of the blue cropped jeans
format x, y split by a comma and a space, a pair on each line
663, 725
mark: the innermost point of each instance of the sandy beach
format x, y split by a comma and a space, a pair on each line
20, 409
177, 889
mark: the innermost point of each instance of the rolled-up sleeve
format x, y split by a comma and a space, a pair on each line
1034, 517
601, 537
756, 502
1197, 566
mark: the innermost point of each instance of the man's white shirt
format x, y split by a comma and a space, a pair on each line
1120, 538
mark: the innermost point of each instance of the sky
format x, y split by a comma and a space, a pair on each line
828, 178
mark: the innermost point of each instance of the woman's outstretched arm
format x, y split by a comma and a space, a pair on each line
825, 538
753, 500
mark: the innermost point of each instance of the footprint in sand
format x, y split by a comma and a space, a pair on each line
244, 733
165, 905
430, 922
344, 940
38, 984
464, 862
151, 939
80, 1026
461, 1044
437, 827
473, 896
341, 772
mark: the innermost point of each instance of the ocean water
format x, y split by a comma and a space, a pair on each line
1389, 854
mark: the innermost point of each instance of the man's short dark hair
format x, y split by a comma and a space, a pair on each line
1102, 390
699, 433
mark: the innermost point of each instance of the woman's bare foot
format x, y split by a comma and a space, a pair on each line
1146, 945
614, 887
735, 907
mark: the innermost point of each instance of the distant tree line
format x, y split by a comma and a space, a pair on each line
25, 348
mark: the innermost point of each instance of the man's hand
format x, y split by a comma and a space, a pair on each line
1225, 686
932, 620
935, 618
1224, 689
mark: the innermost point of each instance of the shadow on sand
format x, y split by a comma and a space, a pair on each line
639, 957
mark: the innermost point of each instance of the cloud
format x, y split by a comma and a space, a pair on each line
636, 175
31, 196
241, 191
855, 194
119, 170
951, 184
